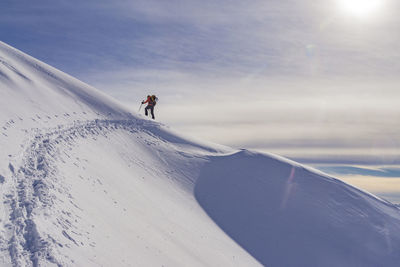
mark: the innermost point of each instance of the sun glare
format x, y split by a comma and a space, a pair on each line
360, 8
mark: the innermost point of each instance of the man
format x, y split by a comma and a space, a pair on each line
151, 102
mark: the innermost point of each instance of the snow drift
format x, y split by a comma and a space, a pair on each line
84, 182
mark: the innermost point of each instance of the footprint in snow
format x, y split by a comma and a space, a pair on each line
8, 123
11, 167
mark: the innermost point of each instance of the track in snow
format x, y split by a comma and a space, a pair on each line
34, 180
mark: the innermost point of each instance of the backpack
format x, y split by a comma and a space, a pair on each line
154, 99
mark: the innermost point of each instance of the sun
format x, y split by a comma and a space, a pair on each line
360, 8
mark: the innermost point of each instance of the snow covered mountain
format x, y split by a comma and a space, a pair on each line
84, 182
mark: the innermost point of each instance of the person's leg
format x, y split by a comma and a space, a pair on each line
152, 112
145, 110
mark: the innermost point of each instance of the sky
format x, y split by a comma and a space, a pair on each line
316, 81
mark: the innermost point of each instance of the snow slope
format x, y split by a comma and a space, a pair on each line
84, 182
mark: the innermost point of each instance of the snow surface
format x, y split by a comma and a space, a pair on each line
85, 182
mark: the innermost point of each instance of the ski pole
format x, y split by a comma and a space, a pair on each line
140, 107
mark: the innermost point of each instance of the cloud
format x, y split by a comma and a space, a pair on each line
257, 37
283, 38
384, 187
341, 121
388, 172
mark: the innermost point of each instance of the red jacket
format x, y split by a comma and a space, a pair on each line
150, 101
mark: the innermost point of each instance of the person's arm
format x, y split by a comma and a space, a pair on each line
144, 102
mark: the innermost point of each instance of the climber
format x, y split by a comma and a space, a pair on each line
151, 102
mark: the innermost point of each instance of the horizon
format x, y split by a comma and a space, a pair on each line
315, 82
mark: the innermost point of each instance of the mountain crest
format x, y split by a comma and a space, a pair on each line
84, 182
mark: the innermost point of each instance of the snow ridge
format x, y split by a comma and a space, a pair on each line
86, 183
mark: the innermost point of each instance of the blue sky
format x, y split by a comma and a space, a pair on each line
311, 80
273, 38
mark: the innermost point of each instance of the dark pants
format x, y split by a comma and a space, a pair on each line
151, 110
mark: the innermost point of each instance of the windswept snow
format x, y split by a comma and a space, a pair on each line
86, 183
